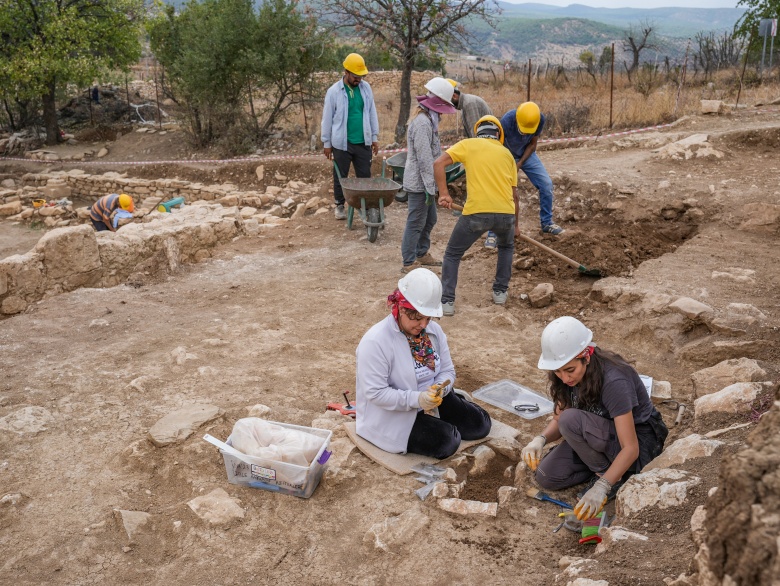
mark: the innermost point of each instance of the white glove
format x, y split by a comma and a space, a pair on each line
427, 401
532, 453
594, 500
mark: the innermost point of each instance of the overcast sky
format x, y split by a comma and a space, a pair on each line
637, 3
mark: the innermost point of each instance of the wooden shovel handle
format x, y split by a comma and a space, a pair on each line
555, 253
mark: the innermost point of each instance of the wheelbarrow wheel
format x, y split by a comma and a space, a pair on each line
372, 214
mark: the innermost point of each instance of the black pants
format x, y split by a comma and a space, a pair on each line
99, 226
440, 437
360, 156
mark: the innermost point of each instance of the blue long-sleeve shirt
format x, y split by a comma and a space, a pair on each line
333, 131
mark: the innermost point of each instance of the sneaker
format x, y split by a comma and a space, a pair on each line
340, 213
553, 229
409, 268
499, 297
491, 241
448, 308
427, 260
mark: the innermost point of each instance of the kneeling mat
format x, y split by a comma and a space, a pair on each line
403, 463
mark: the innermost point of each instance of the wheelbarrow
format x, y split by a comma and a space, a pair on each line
369, 196
398, 161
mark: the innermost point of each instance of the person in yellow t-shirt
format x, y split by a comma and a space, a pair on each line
491, 205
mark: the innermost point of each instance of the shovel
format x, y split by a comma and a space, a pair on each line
581, 268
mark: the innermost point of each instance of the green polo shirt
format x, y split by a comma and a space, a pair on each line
355, 115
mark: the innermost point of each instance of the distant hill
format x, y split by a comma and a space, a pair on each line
671, 22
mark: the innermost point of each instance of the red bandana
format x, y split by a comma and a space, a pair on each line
588, 352
396, 301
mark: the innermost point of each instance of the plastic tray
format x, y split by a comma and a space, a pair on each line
505, 394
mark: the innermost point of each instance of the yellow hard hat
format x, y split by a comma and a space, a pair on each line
126, 202
453, 83
528, 117
355, 64
493, 120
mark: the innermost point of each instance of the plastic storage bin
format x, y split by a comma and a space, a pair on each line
276, 476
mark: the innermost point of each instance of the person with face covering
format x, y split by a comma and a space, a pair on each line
422, 141
603, 412
398, 361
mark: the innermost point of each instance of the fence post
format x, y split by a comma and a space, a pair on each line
528, 93
682, 78
611, 83
744, 67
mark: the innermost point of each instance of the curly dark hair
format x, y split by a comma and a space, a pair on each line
592, 381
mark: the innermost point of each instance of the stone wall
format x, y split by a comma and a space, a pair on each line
67, 258
267, 207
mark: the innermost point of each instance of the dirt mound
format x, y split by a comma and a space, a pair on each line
742, 518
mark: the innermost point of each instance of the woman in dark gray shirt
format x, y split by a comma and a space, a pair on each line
603, 413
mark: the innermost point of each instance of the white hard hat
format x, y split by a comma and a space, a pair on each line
422, 288
562, 340
440, 88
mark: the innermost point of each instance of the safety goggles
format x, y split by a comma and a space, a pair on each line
527, 407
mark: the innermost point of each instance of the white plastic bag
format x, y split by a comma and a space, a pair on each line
260, 438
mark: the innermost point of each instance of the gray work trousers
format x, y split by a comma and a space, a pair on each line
591, 445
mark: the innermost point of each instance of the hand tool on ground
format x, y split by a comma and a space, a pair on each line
672, 404
542, 496
343, 408
581, 268
437, 389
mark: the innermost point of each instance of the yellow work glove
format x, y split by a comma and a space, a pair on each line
594, 500
428, 401
532, 453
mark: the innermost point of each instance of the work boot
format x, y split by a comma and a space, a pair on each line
340, 213
553, 229
492, 240
448, 308
409, 268
499, 297
427, 260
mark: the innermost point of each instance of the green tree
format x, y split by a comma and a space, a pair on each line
408, 28
215, 51
755, 10
50, 43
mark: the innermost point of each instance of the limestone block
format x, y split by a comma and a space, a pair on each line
711, 106
102, 153
11, 208
25, 275
508, 447
662, 390
288, 203
217, 507
506, 494
51, 211
313, 203
56, 191
736, 274
133, 522
341, 449
260, 172
28, 420
698, 530
273, 190
10, 183
661, 488
611, 535
394, 533
736, 398
70, 257
50, 222
248, 212
684, 449
483, 455
299, 212
461, 507
710, 380
259, 410
3, 283
276, 211
541, 295
179, 425
690, 308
